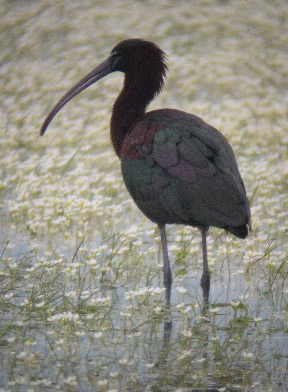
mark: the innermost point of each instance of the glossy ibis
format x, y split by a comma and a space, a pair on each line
177, 168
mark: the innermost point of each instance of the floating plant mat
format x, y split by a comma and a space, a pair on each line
81, 294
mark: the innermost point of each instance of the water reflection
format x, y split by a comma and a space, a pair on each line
66, 322
107, 342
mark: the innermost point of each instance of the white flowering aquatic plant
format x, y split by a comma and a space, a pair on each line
80, 268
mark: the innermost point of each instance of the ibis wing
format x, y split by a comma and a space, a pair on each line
184, 172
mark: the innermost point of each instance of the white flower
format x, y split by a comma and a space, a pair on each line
186, 333
104, 300
183, 309
123, 361
247, 355
157, 290
66, 316
126, 315
181, 290
22, 355
243, 297
180, 306
184, 354
157, 309
91, 262
25, 302
102, 383
215, 310
235, 302
71, 380
39, 305
9, 295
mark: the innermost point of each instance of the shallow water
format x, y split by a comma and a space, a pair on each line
80, 268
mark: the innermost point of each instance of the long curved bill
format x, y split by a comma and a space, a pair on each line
98, 73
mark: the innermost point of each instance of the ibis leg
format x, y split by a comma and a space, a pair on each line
205, 280
167, 275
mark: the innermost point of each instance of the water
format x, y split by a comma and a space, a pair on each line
80, 268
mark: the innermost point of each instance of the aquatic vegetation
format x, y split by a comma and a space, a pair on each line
81, 298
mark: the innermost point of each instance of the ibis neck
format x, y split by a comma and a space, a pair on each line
130, 106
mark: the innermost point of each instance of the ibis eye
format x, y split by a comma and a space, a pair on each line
116, 60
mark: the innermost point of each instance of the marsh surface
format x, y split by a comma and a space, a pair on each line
81, 300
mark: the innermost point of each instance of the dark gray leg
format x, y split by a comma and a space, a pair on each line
205, 280
167, 278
